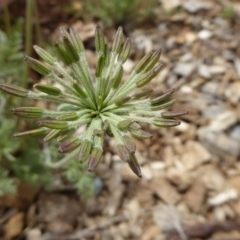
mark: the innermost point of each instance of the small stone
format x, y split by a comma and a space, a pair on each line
235, 133
180, 178
34, 234
194, 6
169, 5
223, 197
223, 121
205, 34
165, 191
232, 92
194, 155
212, 178
59, 227
212, 111
237, 65
14, 226
218, 143
195, 196
203, 71
210, 87
184, 69
216, 69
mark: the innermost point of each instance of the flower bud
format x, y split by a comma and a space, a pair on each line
99, 40
173, 114
125, 52
100, 65
77, 43
79, 90
117, 77
122, 101
69, 145
123, 152
129, 143
68, 116
52, 134
42, 68
154, 59
147, 77
62, 54
44, 55
142, 94
160, 106
34, 132
84, 151
141, 134
117, 41
48, 89
123, 125
14, 90
143, 63
134, 165
54, 124
94, 159
159, 97
70, 50
28, 112
162, 122
98, 132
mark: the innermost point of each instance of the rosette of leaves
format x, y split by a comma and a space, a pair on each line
103, 103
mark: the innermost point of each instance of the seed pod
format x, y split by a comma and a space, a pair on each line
69, 145
162, 105
134, 165
14, 90
54, 124
154, 59
141, 134
100, 65
125, 52
162, 122
99, 40
142, 94
94, 159
117, 42
147, 77
52, 134
77, 42
84, 151
98, 132
160, 97
173, 114
44, 55
68, 117
124, 125
42, 68
64, 56
123, 152
70, 50
117, 77
28, 112
47, 89
79, 90
143, 63
129, 143
34, 132
122, 101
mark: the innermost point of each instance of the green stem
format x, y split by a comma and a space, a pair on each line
7, 20
28, 40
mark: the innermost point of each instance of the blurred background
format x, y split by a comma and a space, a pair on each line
191, 174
